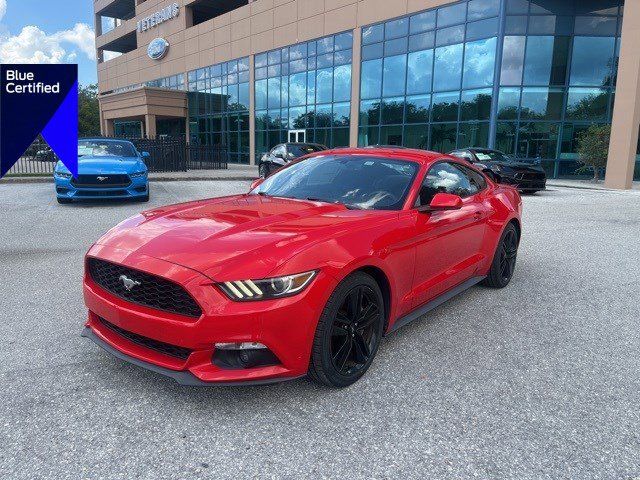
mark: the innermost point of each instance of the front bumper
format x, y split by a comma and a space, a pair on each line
525, 184
139, 187
285, 326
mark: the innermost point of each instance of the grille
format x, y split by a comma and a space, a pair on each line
109, 181
101, 193
150, 290
161, 347
529, 176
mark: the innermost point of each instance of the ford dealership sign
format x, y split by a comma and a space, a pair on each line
167, 13
157, 49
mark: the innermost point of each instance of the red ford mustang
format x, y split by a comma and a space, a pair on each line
303, 275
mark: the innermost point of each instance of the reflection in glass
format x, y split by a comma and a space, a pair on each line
394, 75
393, 110
479, 63
508, 103
592, 61
587, 104
371, 81
416, 136
445, 106
476, 104
546, 60
473, 134
512, 60
541, 103
452, 15
419, 69
418, 108
443, 137
537, 140
448, 67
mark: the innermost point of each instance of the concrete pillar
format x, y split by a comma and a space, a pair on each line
150, 125
252, 111
626, 111
109, 129
355, 87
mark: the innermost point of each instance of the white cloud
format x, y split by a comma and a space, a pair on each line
33, 45
3, 8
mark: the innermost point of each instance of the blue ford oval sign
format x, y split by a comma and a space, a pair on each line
158, 48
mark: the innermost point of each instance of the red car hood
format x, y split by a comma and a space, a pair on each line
222, 237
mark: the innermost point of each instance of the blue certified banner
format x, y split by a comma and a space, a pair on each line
39, 99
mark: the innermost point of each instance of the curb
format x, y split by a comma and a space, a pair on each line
236, 178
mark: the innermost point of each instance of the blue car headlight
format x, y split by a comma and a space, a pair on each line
64, 175
138, 175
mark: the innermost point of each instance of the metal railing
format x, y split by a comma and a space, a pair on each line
166, 154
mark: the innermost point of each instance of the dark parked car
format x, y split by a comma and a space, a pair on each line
283, 153
505, 169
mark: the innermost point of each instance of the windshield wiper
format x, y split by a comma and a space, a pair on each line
336, 202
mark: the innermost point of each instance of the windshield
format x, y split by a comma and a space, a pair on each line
493, 156
301, 150
98, 148
359, 182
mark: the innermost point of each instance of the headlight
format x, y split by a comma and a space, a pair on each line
63, 175
138, 174
268, 288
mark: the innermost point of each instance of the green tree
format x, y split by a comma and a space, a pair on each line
88, 111
593, 148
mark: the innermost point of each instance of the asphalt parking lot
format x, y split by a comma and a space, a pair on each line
539, 380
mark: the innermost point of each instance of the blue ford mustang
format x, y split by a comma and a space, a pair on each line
107, 169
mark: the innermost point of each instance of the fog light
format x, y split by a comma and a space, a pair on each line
239, 346
239, 355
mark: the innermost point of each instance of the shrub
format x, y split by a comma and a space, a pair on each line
593, 148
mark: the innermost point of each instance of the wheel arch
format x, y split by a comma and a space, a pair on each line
385, 287
516, 223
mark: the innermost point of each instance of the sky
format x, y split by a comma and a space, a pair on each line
47, 31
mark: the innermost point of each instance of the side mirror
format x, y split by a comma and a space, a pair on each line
145, 155
256, 183
442, 202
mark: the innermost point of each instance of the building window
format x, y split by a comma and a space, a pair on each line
426, 79
219, 107
306, 86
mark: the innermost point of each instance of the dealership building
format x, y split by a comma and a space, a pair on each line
526, 77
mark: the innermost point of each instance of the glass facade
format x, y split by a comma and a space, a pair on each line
219, 107
524, 76
427, 79
307, 87
558, 76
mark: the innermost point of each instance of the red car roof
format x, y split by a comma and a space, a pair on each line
424, 157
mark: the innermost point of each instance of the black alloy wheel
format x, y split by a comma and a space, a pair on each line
348, 333
504, 260
508, 254
353, 333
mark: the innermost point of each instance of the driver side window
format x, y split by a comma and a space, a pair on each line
445, 177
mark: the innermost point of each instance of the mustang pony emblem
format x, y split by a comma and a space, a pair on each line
102, 179
128, 283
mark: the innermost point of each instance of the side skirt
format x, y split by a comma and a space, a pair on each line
436, 302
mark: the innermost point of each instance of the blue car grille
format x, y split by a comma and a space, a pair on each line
102, 181
150, 290
101, 193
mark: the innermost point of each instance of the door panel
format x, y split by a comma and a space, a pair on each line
449, 243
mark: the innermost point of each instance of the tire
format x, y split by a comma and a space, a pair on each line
345, 316
500, 273
265, 170
63, 201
